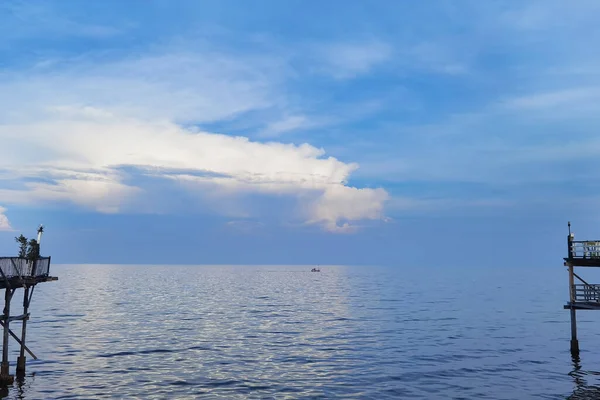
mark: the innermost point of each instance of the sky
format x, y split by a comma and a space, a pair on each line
395, 133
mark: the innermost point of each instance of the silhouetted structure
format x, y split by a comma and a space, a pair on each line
17, 273
582, 295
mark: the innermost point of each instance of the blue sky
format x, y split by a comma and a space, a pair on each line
388, 132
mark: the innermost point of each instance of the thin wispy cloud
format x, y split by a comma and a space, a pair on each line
572, 98
349, 60
288, 123
24, 20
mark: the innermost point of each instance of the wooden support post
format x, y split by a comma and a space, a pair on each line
19, 341
21, 359
574, 341
5, 376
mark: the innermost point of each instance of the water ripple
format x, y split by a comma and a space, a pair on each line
283, 332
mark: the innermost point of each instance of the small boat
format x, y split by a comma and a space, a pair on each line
315, 270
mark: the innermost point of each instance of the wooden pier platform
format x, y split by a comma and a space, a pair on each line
582, 295
19, 273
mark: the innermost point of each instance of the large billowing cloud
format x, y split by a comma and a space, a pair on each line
343, 203
76, 136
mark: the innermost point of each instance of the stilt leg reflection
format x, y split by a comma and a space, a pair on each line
582, 391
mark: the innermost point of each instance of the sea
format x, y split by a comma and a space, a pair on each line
284, 332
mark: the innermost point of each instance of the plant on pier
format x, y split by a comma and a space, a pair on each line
23, 242
33, 250
29, 249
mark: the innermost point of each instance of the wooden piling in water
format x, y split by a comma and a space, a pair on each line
21, 360
572, 298
5, 376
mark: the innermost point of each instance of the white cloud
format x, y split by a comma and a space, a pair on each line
286, 124
4, 223
342, 203
100, 194
88, 123
161, 149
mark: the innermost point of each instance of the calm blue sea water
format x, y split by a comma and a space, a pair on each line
283, 332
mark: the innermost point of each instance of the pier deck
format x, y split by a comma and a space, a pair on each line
16, 283
585, 296
581, 305
583, 253
17, 272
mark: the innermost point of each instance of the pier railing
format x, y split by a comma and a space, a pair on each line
13, 267
586, 292
584, 249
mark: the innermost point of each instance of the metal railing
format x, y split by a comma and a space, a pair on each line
21, 267
584, 249
588, 293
